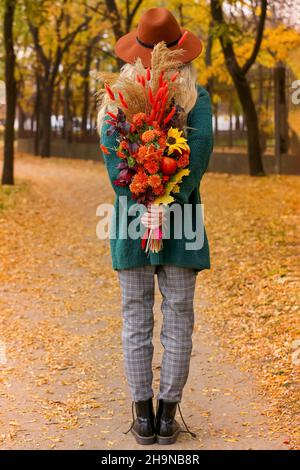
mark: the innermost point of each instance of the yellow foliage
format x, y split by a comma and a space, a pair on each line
277, 44
172, 186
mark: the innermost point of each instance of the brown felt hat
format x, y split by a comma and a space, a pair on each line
156, 25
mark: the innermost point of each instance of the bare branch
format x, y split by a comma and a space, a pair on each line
259, 37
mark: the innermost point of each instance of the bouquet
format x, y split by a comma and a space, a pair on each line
152, 145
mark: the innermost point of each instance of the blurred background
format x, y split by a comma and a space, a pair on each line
62, 382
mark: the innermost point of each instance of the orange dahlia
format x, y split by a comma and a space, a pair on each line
141, 154
139, 119
139, 183
154, 181
150, 135
151, 165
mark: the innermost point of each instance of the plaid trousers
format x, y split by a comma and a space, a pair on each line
177, 286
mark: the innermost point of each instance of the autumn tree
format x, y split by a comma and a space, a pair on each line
121, 17
54, 28
239, 73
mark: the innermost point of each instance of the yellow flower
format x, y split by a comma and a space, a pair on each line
175, 141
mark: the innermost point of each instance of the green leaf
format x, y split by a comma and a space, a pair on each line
131, 161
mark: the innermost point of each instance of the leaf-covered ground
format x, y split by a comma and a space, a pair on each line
62, 383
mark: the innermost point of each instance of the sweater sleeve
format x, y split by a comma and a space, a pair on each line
200, 140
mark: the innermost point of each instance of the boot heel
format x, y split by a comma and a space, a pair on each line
167, 427
144, 440
143, 426
167, 440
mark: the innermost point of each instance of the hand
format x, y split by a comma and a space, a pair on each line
154, 217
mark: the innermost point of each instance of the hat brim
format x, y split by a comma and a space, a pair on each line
128, 49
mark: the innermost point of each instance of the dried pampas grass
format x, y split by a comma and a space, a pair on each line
162, 60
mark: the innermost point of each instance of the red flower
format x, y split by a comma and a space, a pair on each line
124, 145
139, 119
121, 154
162, 141
154, 181
150, 135
183, 160
141, 154
159, 190
151, 166
139, 183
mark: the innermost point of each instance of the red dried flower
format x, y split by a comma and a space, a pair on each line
109, 92
122, 99
104, 149
183, 38
121, 154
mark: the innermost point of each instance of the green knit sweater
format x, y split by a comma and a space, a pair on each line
127, 253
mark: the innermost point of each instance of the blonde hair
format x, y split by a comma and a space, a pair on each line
185, 93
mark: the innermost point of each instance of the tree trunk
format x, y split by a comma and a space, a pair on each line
230, 135
86, 89
21, 121
67, 112
263, 136
45, 120
253, 137
37, 107
11, 94
281, 115
57, 109
239, 77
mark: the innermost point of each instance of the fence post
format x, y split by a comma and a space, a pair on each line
280, 110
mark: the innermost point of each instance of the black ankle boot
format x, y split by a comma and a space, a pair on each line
143, 426
167, 428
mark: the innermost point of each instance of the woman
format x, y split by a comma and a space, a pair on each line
175, 265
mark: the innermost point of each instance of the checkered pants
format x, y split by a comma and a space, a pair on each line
177, 286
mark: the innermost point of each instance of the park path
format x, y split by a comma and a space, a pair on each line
63, 385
